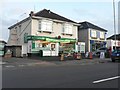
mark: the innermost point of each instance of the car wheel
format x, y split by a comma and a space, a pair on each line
113, 60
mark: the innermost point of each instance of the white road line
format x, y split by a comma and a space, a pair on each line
10, 66
102, 80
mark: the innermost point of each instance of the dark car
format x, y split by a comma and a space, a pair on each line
115, 55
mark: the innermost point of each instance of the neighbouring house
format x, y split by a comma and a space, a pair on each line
2, 47
44, 33
93, 36
111, 42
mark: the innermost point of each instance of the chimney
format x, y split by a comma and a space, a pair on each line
31, 13
48, 11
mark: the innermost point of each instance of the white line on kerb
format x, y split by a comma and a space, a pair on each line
102, 80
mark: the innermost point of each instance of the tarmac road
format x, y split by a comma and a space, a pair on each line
70, 75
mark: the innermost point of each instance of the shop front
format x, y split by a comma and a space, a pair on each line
49, 46
94, 45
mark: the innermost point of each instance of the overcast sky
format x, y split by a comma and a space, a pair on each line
98, 12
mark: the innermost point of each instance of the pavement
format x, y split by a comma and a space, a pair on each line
22, 62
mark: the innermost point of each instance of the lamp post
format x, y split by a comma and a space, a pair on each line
114, 22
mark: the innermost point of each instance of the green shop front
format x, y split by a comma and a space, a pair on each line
50, 46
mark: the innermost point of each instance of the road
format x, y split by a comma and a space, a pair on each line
62, 76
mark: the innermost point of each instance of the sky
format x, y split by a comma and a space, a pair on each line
98, 12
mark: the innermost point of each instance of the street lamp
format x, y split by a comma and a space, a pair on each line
114, 22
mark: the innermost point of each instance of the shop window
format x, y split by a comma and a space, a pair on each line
45, 25
44, 45
52, 47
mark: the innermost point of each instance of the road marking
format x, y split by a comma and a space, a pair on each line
21, 65
10, 66
102, 80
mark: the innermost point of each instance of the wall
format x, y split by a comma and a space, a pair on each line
18, 34
57, 30
111, 43
83, 37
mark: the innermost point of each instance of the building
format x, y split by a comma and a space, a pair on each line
2, 47
46, 31
111, 42
93, 36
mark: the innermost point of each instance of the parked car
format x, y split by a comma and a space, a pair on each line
115, 55
99, 50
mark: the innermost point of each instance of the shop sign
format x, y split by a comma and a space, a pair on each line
35, 38
49, 39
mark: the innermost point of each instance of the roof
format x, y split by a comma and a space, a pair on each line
19, 22
86, 25
2, 41
49, 14
113, 37
46, 14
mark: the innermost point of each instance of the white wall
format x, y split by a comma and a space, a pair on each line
18, 35
111, 43
57, 30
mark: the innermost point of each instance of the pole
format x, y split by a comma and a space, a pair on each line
114, 22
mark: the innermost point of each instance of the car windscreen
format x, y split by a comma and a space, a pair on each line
116, 51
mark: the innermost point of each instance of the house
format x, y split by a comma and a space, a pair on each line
45, 32
112, 43
2, 47
93, 36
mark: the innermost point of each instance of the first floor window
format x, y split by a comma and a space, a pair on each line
102, 35
67, 29
45, 25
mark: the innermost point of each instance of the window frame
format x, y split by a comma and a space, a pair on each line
45, 25
69, 27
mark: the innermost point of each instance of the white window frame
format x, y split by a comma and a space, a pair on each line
102, 35
45, 25
93, 33
67, 28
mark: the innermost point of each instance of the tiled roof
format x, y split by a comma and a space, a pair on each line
86, 25
113, 37
46, 14
49, 14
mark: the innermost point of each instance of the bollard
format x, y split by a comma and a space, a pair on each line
78, 56
62, 57
90, 55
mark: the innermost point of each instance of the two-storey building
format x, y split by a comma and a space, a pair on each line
93, 36
46, 31
113, 43
2, 47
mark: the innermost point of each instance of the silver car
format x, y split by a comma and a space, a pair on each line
99, 50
